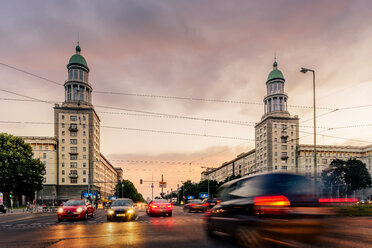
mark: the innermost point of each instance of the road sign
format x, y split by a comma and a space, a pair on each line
162, 184
203, 195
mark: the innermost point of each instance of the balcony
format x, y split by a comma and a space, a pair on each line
73, 128
284, 157
73, 153
73, 175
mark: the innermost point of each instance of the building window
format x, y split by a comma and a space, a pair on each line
63, 140
63, 172
73, 134
84, 172
73, 118
73, 165
84, 134
73, 141
83, 125
63, 164
84, 141
83, 117
84, 149
63, 117
63, 156
73, 180
63, 125
84, 165
63, 148
46, 148
63, 133
84, 156
84, 180
73, 157
73, 149
63, 180
73, 172
40, 148
44, 155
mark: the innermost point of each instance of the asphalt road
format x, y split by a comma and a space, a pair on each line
43, 230
180, 230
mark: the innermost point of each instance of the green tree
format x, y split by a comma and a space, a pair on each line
129, 191
213, 185
352, 173
19, 171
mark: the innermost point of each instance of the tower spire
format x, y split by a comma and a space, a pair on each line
275, 65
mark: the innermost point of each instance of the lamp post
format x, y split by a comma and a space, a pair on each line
304, 70
208, 179
89, 175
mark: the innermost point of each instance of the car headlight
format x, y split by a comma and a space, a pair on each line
130, 211
79, 210
110, 212
60, 210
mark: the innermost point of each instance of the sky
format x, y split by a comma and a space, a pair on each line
204, 60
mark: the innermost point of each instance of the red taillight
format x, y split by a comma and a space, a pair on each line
271, 205
277, 200
338, 200
153, 206
205, 204
191, 205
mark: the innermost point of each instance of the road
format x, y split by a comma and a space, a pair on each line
180, 230
43, 230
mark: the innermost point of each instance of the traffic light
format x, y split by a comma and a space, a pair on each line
141, 181
11, 195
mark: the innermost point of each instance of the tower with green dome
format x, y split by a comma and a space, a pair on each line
277, 131
276, 99
80, 165
77, 87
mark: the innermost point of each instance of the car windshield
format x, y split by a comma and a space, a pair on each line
195, 201
122, 203
74, 203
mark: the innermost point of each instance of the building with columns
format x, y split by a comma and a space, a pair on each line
277, 145
74, 164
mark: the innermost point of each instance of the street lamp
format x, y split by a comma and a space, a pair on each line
304, 70
208, 179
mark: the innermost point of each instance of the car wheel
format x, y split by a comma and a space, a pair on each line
92, 216
170, 214
60, 220
248, 237
210, 229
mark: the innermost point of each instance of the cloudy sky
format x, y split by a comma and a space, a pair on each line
181, 58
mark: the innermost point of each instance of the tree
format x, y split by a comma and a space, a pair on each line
129, 191
213, 185
19, 171
352, 173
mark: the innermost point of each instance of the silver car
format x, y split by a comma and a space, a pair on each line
122, 208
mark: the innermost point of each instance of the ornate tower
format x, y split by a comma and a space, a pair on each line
77, 87
77, 130
277, 132
275, 100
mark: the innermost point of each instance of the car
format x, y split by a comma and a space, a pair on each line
75, 209
159, 207
274, 207
3, 208
194, 206
121, 208
209, 203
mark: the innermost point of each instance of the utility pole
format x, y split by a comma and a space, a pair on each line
162, 186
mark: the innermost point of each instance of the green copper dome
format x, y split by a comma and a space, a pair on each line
275, 73
77, 59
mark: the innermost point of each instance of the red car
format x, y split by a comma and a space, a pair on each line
159, 207
75, 209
